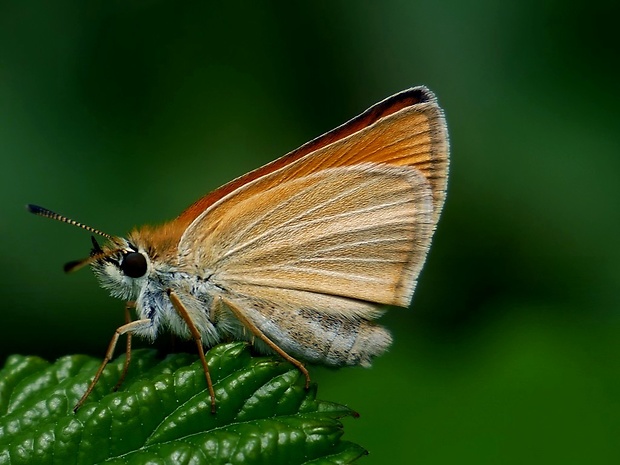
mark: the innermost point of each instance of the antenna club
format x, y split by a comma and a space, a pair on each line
38, 210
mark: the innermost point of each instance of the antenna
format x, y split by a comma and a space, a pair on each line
44, 212
77, 264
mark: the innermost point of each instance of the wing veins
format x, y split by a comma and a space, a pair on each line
368, 241
286, 226
296, 217
308, 271
360, 229
350, 154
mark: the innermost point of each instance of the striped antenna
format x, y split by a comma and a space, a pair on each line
77, 264
40, 211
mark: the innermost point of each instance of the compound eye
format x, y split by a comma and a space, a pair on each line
134, 265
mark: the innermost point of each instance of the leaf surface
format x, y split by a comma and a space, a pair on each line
161, 415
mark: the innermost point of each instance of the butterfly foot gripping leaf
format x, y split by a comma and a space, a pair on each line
162, 413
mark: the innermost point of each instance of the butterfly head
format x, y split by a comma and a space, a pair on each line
122, 270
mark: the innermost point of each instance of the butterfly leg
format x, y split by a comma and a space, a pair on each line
182, 311
126, 328
263, 337
128, 305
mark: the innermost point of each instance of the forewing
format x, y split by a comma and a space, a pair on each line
360, 232
406, 129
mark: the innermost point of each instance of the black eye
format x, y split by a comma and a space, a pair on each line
134, 265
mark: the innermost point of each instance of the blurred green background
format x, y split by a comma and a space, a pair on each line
123, 113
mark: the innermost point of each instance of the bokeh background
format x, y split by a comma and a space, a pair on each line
123, 113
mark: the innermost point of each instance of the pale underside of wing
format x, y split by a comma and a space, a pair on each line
359, 234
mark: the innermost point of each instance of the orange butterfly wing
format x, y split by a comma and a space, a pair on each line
425, 125
261, 216
405, 130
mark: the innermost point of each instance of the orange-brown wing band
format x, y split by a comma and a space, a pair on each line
433, 166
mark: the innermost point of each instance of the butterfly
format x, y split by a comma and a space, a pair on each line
298, 257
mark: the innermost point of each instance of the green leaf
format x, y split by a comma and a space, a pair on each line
161, 415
